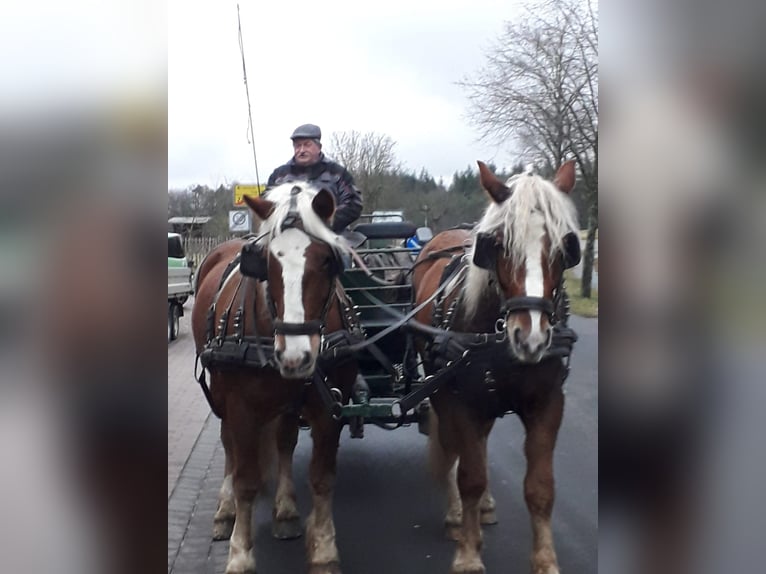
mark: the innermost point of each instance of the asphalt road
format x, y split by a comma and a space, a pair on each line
389, 514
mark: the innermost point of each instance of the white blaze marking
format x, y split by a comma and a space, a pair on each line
290, 250
534, 281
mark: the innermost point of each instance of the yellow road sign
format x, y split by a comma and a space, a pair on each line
241, 190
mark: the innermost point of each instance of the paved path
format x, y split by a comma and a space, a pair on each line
187, 408
387, 511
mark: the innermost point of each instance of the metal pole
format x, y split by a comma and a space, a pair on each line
247, 91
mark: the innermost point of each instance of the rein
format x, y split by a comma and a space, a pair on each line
402, 320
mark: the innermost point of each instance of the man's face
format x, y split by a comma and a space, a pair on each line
306, 151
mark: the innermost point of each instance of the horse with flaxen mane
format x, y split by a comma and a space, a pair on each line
260, 309
508, 283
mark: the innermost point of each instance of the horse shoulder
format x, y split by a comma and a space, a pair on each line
209, 276
424, 272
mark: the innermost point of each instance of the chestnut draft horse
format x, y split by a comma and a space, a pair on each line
507, 285
257, 320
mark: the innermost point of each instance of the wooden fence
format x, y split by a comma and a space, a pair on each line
197, 247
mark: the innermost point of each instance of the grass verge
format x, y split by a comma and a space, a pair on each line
579, 305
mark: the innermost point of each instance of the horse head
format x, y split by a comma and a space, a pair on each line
525, 240
297, 257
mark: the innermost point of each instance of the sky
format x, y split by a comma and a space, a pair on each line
386, 67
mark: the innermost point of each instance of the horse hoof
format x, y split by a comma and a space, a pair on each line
329, 568
488, 517
286, 529
241, 569
222, 529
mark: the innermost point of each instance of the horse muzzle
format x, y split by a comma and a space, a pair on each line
529, 347
295, 365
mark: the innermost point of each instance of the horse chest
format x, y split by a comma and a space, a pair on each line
503, 386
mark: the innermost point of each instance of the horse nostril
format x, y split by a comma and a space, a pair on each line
278, 355
517, 335
306, 359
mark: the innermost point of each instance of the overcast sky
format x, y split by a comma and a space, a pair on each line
388, 67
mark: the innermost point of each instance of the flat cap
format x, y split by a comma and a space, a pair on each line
309, 131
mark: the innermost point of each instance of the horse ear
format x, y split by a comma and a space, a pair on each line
565, 176
496, 188
323, 204
262, 207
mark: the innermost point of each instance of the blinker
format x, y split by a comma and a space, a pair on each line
485, 251
571, 250
254, 261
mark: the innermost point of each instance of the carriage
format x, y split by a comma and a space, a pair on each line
367, 330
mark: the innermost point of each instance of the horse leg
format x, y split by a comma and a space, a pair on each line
454, 518
453, 521
321, 550
443, 466
249, 470
286, 520
487, 506
542, 429
223, 522
469, 435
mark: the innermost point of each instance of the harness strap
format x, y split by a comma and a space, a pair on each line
432, 384
526, 304
307, 328
455, 351
256, 335
205, 389
239, 317
450, 270
223, 323
319, 380
439, 254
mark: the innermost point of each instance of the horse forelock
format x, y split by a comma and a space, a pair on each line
312, 224
515, 217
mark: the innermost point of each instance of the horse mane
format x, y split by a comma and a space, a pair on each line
529, 192
312, 223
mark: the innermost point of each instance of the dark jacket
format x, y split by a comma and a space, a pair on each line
330, 175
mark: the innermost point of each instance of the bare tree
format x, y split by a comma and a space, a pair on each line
539, 90
369, 157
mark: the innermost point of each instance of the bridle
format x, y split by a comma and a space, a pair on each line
255, 260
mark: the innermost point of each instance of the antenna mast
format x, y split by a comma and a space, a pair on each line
247, 91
